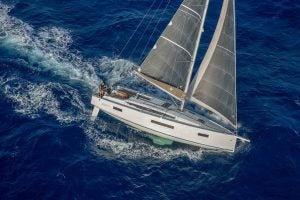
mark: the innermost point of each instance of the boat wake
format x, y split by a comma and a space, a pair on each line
48, 50
111, 146
33, 100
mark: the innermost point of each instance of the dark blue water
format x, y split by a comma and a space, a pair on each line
53, 53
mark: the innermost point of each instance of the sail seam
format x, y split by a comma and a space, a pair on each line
177, 45
221, 69
226, 49
191, 10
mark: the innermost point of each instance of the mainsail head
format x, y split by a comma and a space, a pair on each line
214, 86
168, 64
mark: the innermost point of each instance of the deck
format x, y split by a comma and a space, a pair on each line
165, 109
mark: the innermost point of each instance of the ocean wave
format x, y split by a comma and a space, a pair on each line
34, 99
118, 71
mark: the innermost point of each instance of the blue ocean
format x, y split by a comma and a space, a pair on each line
53, 55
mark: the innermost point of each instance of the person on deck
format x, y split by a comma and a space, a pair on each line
103, 89
101, 92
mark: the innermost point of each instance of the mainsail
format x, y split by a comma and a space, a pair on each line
214, 86
169, 64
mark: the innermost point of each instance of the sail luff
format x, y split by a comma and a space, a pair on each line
214, 86
192, 64
234, 32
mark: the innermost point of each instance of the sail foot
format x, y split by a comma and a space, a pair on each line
175, 92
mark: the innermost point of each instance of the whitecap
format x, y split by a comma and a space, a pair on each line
117, 71
33, 99
2, 34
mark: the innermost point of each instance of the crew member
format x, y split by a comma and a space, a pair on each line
103, 89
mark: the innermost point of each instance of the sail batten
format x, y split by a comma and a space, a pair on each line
191, 10
172, 57
177, 45
214, 86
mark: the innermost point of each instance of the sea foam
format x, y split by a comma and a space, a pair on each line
34, 99
47, 48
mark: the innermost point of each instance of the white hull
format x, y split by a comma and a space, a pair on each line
151, 117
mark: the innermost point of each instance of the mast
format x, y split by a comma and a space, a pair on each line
192, 64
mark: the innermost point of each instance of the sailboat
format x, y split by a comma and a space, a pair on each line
169, 67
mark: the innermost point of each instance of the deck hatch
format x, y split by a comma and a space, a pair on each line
166, 105
201, 121
118, 109
162, 124
203, 135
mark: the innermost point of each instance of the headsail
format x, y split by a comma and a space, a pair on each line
214, 86
170, 61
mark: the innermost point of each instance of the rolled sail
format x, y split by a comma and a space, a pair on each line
214, 86
168, 64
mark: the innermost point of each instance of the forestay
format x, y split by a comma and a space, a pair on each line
214, 86
168, 64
